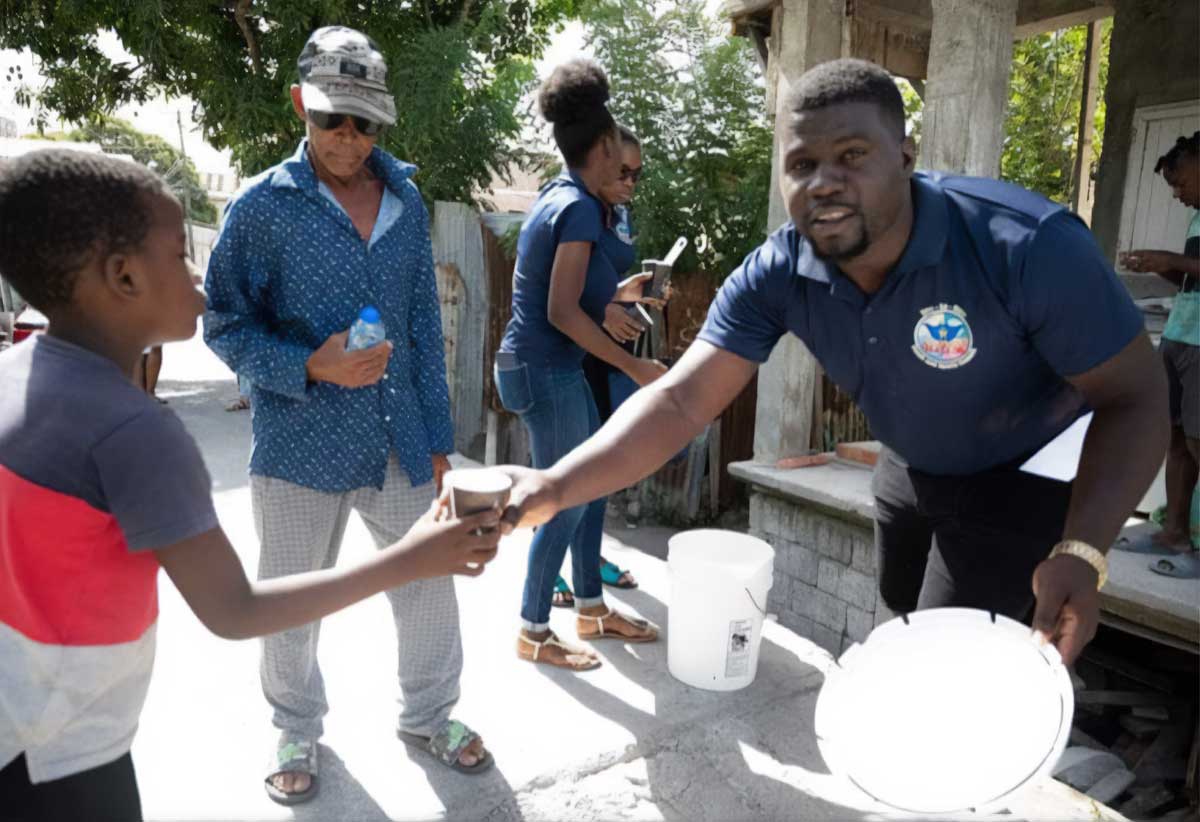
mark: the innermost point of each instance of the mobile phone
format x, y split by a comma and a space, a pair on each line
640, 314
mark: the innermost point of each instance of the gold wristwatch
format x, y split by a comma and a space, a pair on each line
1085, 552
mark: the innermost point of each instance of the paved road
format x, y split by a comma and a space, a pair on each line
624, 742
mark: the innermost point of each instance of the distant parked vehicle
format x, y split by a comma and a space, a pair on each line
10, 305
29, 321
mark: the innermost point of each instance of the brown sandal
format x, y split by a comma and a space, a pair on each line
574, 659
648, 632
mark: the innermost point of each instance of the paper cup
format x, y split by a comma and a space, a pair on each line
474, 490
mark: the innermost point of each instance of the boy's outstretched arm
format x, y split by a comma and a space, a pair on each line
209, 574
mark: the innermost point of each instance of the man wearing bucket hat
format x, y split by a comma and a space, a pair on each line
972, 321
305, 247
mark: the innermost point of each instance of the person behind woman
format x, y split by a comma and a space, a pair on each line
1180, 350
617, 243
561, 287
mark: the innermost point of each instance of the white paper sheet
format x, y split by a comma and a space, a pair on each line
1059, 458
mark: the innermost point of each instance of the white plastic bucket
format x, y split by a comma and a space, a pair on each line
719, 585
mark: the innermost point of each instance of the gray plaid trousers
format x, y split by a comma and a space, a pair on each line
301, 530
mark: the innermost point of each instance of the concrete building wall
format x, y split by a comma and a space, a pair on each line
1153, 60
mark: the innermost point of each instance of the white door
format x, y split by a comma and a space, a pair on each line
1150, 216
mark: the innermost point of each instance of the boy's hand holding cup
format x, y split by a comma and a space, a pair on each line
476, 490
460, 532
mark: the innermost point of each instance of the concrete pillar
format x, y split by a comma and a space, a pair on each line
803, 34
970, 57
1081, 193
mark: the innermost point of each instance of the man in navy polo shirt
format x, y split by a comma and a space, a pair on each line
971, 320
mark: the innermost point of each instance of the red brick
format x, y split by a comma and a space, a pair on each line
803, 461
863, 452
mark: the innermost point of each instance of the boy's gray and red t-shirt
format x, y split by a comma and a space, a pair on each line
94, 475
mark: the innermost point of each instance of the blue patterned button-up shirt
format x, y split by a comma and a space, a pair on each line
288, 270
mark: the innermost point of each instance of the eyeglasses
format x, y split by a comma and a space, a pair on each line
630, 175
327, 122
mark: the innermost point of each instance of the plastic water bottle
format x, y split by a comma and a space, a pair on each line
367, 330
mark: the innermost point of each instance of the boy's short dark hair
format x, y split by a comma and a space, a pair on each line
62, 208
848, 81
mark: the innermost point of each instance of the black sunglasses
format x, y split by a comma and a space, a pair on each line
327, 122
633, 175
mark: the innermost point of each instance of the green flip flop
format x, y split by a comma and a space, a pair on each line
447, 745
1179, 566
294, 756
611, 574
566, 599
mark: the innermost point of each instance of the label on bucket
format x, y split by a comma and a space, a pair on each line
737, 650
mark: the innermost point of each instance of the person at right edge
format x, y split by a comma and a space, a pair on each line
971, 320
1180, 349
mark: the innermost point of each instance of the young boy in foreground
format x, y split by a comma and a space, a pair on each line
100, 486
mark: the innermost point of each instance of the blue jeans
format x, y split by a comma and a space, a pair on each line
558, 411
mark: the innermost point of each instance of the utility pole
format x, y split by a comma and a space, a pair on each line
1081, 190
187, 191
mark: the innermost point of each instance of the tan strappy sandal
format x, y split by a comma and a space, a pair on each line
574, 659
597, 629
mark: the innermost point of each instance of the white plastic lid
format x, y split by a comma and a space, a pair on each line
946, 712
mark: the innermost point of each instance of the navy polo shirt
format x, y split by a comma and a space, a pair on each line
959, 361
565, 212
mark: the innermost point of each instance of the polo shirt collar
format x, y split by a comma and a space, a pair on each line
927, 243
297, 172
925, 247
571, 178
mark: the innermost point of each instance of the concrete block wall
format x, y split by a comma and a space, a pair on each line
824, 584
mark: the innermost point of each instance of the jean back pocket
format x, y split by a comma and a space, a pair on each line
512, 383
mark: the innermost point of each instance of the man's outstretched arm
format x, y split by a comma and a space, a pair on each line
647, 430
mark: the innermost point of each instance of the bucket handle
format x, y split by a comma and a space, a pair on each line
760, 610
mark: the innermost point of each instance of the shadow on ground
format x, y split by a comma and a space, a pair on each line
698, 746
341, 790
201, 406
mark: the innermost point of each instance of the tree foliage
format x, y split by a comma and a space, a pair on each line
119, 137
1041, 124
458, 69
1041, 128
694, 99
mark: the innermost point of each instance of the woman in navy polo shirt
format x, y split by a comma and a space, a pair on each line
616, 243
561, 287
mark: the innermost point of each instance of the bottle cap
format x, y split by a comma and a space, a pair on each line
370, 314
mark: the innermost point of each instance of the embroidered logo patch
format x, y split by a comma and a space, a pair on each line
942, 338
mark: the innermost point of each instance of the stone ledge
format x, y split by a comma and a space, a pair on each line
1137, 594
841, 488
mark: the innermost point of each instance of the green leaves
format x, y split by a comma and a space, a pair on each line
458, 68
1042, 122
119, 137
1042, 119
694, 98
